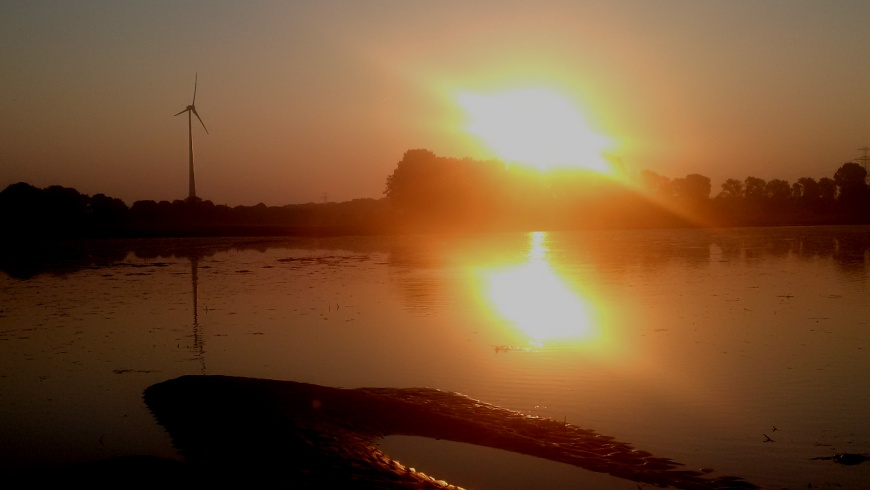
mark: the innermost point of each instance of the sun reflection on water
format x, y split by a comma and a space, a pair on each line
538, 301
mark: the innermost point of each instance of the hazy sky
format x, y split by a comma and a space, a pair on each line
311, 99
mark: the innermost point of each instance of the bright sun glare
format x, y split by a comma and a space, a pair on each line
534, 298
535, 126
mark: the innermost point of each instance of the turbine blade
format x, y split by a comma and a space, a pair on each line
200, 120
195, 78
182, 112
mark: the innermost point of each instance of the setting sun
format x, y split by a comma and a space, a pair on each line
535, 126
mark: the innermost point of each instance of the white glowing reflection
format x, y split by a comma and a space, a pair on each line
537, 300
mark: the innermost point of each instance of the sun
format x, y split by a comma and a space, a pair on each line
535, 126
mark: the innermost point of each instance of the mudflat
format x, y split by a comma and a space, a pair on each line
247, 430
264, 433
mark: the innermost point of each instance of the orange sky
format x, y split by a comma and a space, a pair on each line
321, 99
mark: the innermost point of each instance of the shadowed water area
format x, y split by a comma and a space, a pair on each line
737, 353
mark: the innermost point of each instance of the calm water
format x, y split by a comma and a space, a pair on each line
688, 344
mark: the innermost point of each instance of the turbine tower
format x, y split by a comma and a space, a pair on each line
191, 109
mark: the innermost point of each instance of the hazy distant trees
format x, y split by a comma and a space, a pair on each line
755, 191
811, 196
732, 190
671, 202
778, 195
107, 210
441, 191
851, 182
654, 183
427, 187
195, 216
423, 183
827, 191
20, 205
806, 193
418, 177
756, 201
57, 210
429, 191
694, 188
843, 199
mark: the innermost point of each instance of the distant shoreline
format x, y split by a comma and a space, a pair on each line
265, 230
29, 214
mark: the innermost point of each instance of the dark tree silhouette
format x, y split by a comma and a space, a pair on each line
827, 193
451, 191
755, 190
107, 210
850, 176
693, 188
778, 197
851, 182
443, 193
732, 189
806, 189
414, 180
21, 206
654, 183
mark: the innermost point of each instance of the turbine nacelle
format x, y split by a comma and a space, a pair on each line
192, 107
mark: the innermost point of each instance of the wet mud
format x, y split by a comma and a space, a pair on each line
262, 431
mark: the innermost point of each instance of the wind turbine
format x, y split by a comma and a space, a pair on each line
191, 109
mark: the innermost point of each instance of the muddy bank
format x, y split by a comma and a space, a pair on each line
261, 431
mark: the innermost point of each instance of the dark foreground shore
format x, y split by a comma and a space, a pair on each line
265, 433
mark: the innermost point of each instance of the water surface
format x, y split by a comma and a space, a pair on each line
690, 344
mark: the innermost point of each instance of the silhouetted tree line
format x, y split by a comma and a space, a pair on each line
56, 211
428, 192
845, 199
437, 191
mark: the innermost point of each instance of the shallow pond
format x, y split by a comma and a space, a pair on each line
690, 344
